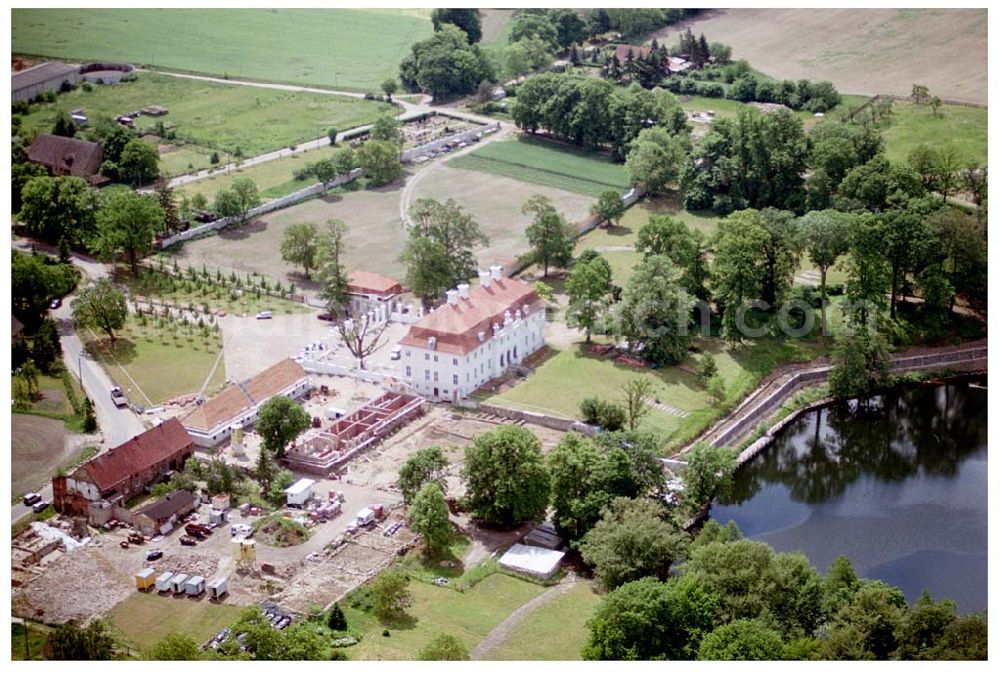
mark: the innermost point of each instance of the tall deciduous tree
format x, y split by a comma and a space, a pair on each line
380, 160
390, 594
127, 222
428, 515
299, 246
636, 395
465, 18
425, 466
505, 476
738, 269
587, 288
708, 473
781, 254
609, 208
860, 365
237, 201
655, 160
280, 421
139, 162
742, 640
57, 209
549, 234
827, 236
362, 335
670, 236
100, 306
332, 276
175, 647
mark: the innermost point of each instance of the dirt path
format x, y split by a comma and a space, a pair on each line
501, 632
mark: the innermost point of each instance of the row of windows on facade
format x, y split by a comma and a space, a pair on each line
454, 361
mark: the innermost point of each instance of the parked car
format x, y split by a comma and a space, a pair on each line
154, 554
30, 499
39, 506
188, 542
118, 397
264, 315
55, 303
328, 317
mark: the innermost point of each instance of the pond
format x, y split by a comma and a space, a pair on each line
899, 485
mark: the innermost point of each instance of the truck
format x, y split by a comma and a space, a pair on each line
118, 397
197, 530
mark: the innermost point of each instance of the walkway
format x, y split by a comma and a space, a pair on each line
501, 632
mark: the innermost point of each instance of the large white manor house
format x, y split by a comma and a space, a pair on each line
475, 336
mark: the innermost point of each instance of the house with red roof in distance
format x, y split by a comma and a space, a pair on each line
374, 293
63, 156
475, 336
674, 64
124, 471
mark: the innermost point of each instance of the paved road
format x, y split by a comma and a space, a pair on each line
117, 425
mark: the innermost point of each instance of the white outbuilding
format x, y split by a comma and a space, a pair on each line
163, 582
218, 587
534, 561
194, 586
299, 493
177, 583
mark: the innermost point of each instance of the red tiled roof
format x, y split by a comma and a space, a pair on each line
457, 327
164, 442
236, 399
66, 156
366, 282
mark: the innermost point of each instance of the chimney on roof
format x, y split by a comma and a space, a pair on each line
484, 278
496, 271
452, 297
463, 290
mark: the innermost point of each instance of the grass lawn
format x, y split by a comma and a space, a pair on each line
962, 128
36, 636
546, 163
273, 178
468, 616
143, 619
352, 49
163, 363
556, 631
181, 159
726, 108
223, 116
625, 233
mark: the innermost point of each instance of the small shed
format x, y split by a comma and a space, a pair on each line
544, 535
534, 561
194, 586
218, 516
163, 582
177, 583
218, 587
299, 493
220, 501
145, 579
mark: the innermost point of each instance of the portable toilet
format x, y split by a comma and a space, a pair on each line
163, 582
194, 586
177, 583
145, 579
218, 587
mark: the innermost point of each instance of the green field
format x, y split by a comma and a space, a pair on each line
556, 631
468, 616
726, 108
351, 49
544, 163
143, 619
211, 115
960, 127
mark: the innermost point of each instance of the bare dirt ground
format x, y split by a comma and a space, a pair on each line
493, 22
38, 446
862, 51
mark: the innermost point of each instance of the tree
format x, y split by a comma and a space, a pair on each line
264, 470
654, 314
100, 306
390, 595
738, 268
69, 642
964, 639
89, 419
946, 171
362, 335
237, 201
380, 161
168, 204
905, 239
386, 129
426, 466
528, 25
428, 515
866, 627
139, 162
707, 369
127, 222
505, 477
63, 126
636, 393
648, 619
549, 234
467, 19
20, 173
299, 245
780, 255
923, 626
708, 473
45, 348
62, 208
444, 647
332, 276
655, 160
331, 133
609, 207
742, 640
631, 541
526, 55
868, 273
175, 647
860, 365
428, 267
827, 237
570, 27
280, 421
390, 86
34, 281
670, 236
325, 170
587, 288
446, 64
878, 182
336, 619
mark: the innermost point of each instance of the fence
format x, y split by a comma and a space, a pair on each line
465, 136
552, 422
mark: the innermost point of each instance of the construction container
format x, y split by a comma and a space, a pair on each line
145, 579
299, 493
220, 501
177, 583
195, 586
244, 508
163, 582
218, 587
218, 516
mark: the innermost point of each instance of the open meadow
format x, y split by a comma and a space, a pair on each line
962, 128
862, 51
350, 49
208, 115
143, 619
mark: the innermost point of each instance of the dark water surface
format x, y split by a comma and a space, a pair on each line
899, 487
